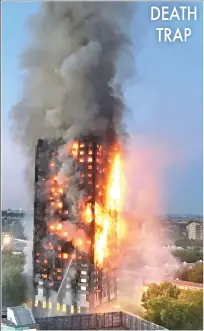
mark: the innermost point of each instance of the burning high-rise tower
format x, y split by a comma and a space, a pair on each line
75, 241
75, 66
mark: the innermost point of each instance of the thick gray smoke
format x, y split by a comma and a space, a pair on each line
74, 72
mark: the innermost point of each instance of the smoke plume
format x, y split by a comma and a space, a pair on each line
71, 82
144, 257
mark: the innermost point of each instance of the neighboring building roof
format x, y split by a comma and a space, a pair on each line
117, 320
195, 222
23, 316
7, 322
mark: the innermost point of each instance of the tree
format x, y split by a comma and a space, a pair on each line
164, 289
13, 280
194, 305
172, 308
188, 255
191, 275
185, 243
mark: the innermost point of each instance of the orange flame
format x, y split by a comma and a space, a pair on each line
74, 149
107, 217
87, 215
106, 220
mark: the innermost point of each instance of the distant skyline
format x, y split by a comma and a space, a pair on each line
165, 103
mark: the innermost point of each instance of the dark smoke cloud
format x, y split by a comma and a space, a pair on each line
74, 72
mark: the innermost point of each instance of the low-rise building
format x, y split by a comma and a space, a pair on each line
18, 318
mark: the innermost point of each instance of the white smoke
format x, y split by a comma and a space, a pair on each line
28, 249
143, 257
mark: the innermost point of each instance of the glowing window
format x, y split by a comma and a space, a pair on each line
81, 153
45, 261
81, 145
78, 309
89, 175
44, 304
72, 309
90, 159
50, 305
90, 152
64, 308
81, 159
90, 166
36, 303
65, 256
59, 226
83, 288
83, 272
59, 205
58, 306
52, 227
83, 280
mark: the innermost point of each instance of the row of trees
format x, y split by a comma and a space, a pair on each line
13, 280
194, 274
188, 255
168, 306
185, 243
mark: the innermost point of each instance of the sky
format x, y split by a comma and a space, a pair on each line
165, 102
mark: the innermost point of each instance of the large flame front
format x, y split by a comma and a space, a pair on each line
106, 215
106, 219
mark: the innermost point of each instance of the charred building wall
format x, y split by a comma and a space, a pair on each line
87, 285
